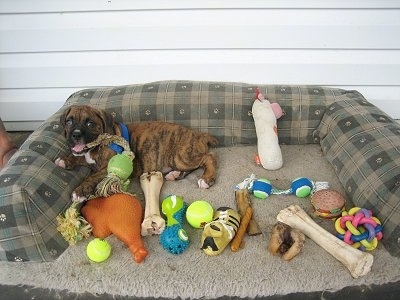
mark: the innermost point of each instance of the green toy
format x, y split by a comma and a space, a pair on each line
98, 250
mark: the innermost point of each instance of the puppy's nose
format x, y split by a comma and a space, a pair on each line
76, 134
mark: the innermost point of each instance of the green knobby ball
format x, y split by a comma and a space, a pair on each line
98, 250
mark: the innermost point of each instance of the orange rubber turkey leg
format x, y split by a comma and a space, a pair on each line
118, 214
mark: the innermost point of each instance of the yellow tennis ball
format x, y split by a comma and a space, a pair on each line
98, 250
199, 213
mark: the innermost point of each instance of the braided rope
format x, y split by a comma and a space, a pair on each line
105, 139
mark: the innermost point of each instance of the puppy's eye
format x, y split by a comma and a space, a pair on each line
90, 124
68, 122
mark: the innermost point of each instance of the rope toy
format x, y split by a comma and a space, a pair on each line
359, 229
72, 226
262, 188
119, 167
174, 238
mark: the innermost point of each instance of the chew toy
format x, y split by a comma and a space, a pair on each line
219, 233
359, 229
174, 238
301, 187
265, 115
238, 238
120, 215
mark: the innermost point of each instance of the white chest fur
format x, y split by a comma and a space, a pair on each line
88, 158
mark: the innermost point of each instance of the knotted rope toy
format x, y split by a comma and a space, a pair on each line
359, 229
174, 238
72, 226
119, 167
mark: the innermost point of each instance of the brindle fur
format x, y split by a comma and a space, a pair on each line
157, 146
162, 145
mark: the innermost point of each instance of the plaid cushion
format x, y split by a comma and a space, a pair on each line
33, 191
222, 109
362, 143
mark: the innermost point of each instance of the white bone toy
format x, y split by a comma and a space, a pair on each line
265, 115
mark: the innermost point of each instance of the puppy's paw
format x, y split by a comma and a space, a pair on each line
60, 163
76, 198
203, 184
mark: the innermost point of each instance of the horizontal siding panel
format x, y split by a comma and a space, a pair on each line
38, 6
341, 67
273, 73
205, 37
205, 29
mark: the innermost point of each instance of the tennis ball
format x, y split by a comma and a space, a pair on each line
262, 188
199, 213
98, 250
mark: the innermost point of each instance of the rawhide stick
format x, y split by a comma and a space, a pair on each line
359, 263
242, 197
244, 222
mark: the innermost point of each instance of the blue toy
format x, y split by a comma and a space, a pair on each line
301, 187
174, 238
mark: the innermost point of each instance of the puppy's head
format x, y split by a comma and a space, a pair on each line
83, 124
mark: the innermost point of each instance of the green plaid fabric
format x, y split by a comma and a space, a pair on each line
222, 109
362, 144
33, 191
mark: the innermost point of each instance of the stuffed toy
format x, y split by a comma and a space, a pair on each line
265, 115
219, 233
118, 214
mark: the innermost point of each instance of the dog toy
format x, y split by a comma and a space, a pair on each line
98, 250
328, 203
199, 213
118, 214
301, 187
153, 222
119, 167
238, 238
218, 233
285, 241
72, 226
357, 262
242, 197
359, 228
265, 115
174, 238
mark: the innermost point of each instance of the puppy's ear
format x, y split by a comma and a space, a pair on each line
108, 121
64, 116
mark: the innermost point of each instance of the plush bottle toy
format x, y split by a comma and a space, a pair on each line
265, 115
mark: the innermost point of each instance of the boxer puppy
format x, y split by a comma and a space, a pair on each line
169, 148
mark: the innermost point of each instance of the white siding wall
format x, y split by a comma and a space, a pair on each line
49, 49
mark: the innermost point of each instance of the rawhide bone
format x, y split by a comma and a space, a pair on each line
242, 197
359, 263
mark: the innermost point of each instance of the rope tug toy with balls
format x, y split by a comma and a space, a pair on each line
262, 188
174, 238
359, 229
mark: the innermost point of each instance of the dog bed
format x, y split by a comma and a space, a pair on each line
359, 140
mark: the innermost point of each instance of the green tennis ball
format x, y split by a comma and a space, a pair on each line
98, 250
199, 213
121, 165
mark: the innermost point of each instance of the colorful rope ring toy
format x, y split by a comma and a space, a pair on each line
359, 229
